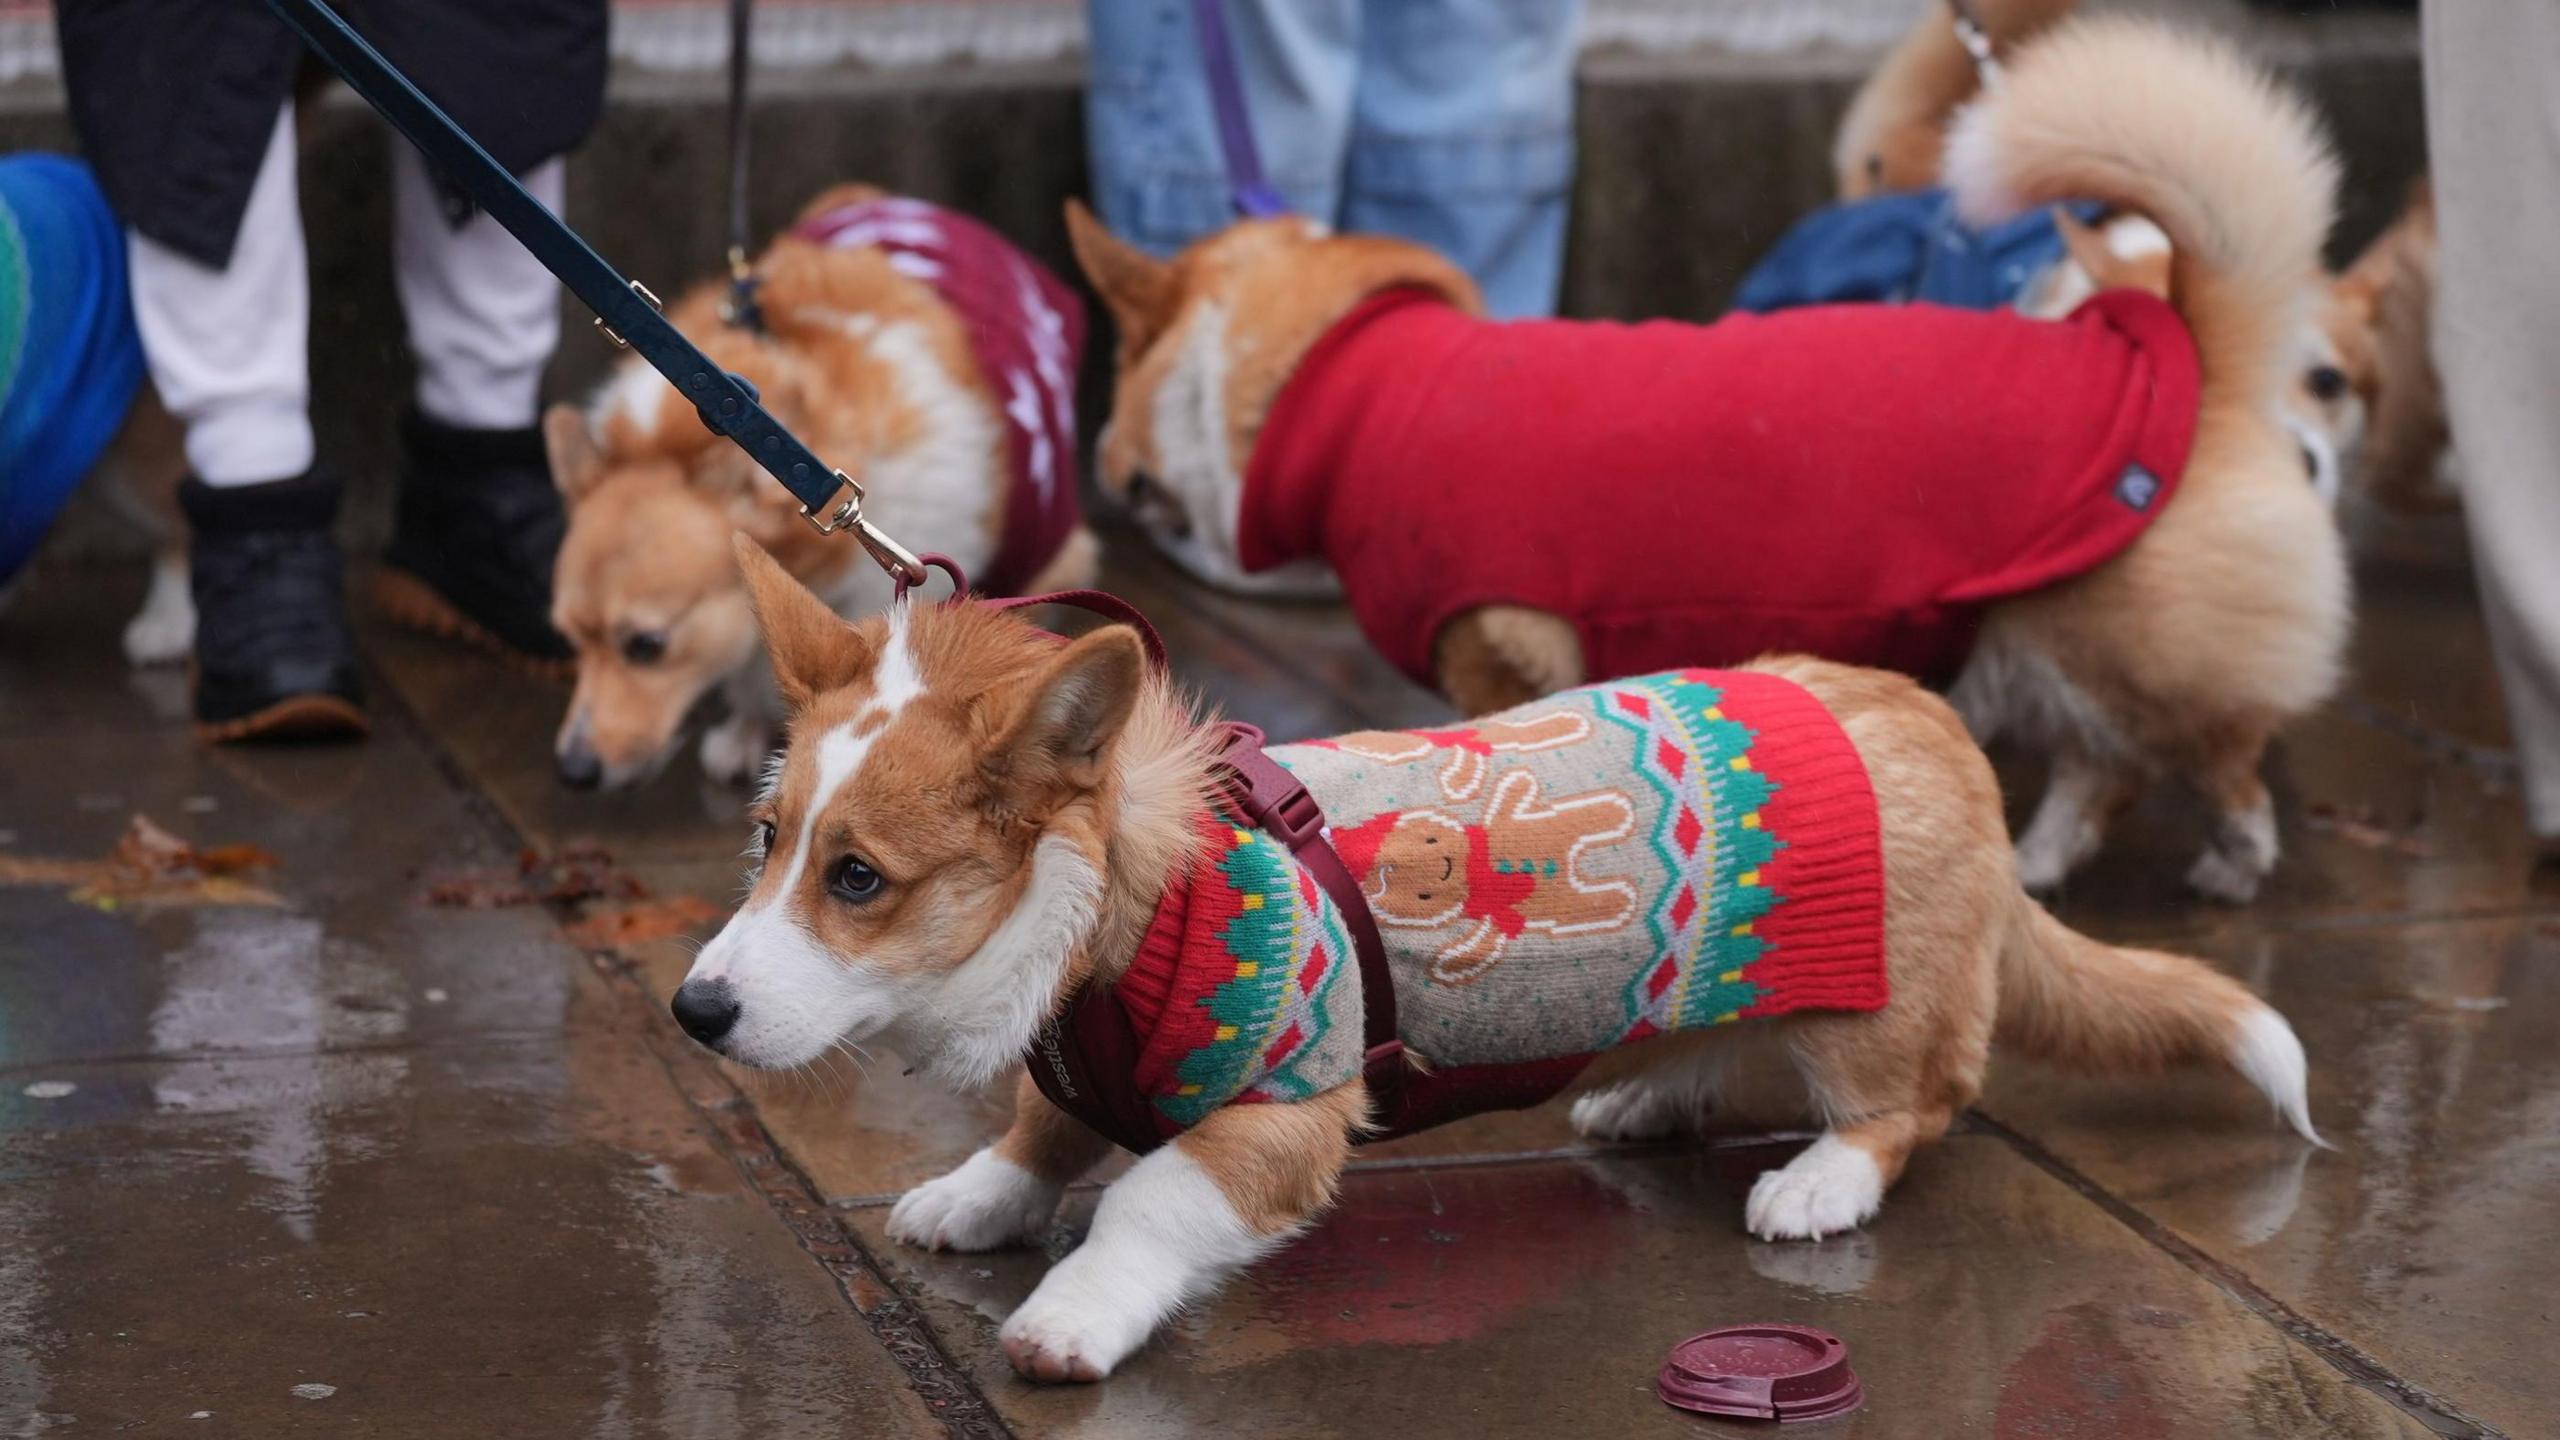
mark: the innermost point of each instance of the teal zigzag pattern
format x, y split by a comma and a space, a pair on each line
1708, 839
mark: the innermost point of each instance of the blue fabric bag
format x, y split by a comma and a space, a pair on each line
1903, 247
70, 359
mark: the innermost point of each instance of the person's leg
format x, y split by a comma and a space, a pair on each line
484, 316
1159, 178
479, 519
226, 348
2493, 135
1463, 137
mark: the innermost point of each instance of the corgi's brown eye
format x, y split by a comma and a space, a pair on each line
644, 647
854, 882
764, 838
2328, 382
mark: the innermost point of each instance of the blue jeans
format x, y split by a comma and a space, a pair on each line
1446, 122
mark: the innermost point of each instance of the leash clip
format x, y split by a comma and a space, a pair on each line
845, 511
608, 332
739, 308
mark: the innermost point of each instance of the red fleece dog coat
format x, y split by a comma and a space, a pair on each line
1026, 330
1851, 481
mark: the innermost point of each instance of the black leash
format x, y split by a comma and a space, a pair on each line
626, 312
741, 308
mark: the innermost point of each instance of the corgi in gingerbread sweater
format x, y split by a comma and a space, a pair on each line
1644, 889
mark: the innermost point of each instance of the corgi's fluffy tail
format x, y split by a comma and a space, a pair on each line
2182, 129
1896, 127
2085, 1005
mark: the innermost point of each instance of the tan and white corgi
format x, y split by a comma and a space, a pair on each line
869, 351
2184, 652
974, 822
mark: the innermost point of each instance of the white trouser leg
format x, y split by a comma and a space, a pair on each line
228, 346
2493, 132
484, 316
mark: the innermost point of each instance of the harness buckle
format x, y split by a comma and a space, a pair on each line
608, 332
844, 511
1295, 818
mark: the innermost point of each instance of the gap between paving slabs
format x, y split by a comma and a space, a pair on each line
2423, 1405
947, 1390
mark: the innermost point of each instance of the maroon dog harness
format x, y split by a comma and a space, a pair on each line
1085, 1059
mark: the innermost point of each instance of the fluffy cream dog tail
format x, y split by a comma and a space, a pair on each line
2090, 1006
2180, 128
1896, 126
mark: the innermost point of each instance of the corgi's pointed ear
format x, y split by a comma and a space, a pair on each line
576, 463
812, 648
1055, 745
1136, 286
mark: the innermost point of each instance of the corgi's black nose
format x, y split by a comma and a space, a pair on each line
580, 768
705, 1009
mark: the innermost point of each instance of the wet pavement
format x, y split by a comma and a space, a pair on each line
368, 1161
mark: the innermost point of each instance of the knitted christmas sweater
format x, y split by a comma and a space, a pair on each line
1655, 854
1853, 481
1026, 330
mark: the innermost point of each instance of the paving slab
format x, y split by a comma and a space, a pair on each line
2428, 1239
349, 1163
512, 1237
1539, 1299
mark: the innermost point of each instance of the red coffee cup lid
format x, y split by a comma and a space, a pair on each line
1768, 1372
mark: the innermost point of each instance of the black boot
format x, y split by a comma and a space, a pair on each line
479, 525
274, 658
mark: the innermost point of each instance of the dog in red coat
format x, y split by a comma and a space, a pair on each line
2096, 531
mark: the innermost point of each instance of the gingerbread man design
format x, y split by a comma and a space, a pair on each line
1469, 747
1519, 869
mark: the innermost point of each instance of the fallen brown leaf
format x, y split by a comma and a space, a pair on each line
149, 866
565, 878
2363, 829
638, 924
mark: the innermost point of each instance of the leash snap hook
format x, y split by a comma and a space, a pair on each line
845, 510
608, 332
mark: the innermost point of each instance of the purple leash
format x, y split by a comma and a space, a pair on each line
1254, 196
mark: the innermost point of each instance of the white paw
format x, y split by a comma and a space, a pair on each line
2044, 863
2217, 876
160, 633
1070, 1330
1831, 1187
2243, 853
1625, 1112
987, 1203
733, 751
